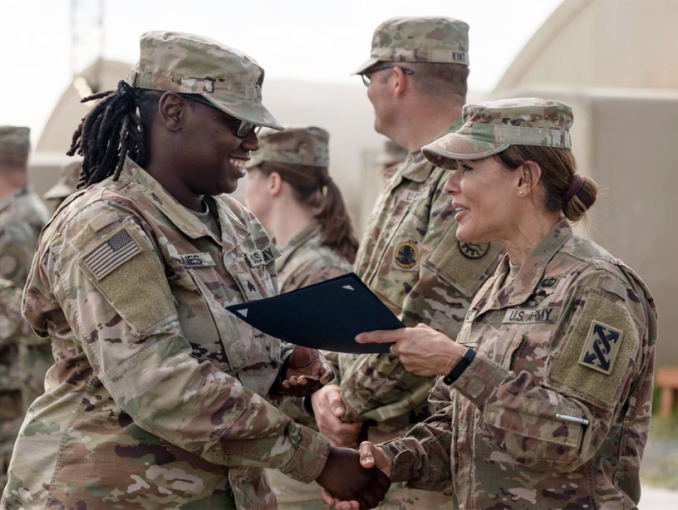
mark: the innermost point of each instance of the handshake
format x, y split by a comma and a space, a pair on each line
353, 480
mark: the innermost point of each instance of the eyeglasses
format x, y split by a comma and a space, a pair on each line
241, 128
366, 76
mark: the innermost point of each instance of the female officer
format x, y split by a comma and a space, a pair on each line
291, 193
546, 396
159, 397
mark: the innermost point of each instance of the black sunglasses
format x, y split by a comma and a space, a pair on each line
366, 75
241, 128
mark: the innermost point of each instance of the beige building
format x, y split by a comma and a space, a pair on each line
614, 61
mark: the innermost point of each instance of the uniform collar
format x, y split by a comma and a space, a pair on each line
416, 167
531, 272
13, 195
300, 239
182, 218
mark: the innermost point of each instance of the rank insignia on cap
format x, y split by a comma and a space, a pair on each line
601, 347
111, 254
473, 250
407, 255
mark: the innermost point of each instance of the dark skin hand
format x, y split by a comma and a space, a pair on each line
344, 477
307, 372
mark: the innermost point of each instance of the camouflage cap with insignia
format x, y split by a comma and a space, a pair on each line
490, 127
424, 39
67, 183
229, 79
295, 146
15, 140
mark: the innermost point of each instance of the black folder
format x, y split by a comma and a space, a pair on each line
327, 315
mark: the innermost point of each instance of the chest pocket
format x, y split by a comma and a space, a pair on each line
399, 252
214, 333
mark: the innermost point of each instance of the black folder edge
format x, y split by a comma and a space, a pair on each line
349, 278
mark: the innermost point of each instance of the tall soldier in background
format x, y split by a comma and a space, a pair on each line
416, 80
22, 214
24, 357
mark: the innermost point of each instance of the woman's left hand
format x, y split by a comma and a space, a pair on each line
422, 350
307, 372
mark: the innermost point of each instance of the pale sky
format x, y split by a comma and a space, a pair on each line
292, 39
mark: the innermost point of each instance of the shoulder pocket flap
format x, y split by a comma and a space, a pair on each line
535, 420
129, 275
464, 265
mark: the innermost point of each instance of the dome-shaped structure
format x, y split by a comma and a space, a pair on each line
601, 43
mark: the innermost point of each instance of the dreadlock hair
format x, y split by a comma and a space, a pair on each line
314, 187
113, 130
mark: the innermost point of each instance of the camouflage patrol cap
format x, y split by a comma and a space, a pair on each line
294, 146
425, 39
15, 140
193, 64
67, 183
490, 127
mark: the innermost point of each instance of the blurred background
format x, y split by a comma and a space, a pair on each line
614, 61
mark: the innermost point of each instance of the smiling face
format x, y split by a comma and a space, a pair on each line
486, 200
214, 158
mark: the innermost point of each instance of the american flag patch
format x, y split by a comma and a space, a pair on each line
110, 254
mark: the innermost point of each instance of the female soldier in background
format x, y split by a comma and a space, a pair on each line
291, 193
159, 396
547, 394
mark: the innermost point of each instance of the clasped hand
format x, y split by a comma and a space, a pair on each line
350, 481
307, 372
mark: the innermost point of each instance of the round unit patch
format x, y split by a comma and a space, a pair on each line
9, 265
473, 250
407, 255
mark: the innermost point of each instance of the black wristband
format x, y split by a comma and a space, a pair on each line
459, 367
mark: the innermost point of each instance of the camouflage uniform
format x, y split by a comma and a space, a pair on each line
159, 397
402, 257
554, 410
13, 331
303, 261
24, 357
572, 335
404, 261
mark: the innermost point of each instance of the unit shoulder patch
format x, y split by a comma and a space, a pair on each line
473, 250
601, 347
407, 254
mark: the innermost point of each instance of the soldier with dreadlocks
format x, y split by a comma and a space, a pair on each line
159, 397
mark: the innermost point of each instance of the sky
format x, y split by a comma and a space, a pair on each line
292, 39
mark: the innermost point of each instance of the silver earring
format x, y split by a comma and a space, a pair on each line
520, 192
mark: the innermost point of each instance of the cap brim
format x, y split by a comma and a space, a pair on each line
58, 191
366, 65
445, 151
249, 111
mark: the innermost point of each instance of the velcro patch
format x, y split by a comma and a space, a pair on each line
111, 253
264, 256
601, 347
547, 315
196, 260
